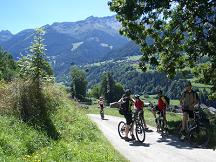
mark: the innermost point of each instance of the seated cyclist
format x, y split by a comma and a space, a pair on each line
139, 105
161, 107
101, 106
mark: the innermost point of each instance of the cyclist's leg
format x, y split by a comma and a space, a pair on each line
185, 120
154, 111
128, 118
143, 119
164, 118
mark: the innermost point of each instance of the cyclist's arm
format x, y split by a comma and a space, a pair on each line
132, 99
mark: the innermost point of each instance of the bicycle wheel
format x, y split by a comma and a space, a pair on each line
140, 132
121, 129
199, 136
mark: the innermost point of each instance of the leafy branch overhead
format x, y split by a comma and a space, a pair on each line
172, 34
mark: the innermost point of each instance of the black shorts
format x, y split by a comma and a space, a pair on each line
189, 112
128, 117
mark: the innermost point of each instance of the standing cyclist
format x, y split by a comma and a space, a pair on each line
188, 100
161, 107
128, 101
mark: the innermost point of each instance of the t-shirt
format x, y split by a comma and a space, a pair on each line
189, 99
101, 103
139, 104
161, 104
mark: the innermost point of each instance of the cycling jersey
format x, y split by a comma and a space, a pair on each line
139, 104
161, 104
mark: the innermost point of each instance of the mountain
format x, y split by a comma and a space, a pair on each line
5, 35
67, 43
129, 49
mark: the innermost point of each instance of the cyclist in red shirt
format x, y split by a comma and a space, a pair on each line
139, 105
161, 106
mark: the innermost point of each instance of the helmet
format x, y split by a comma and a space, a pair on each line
127, 92
101, 98
187, 84
136, 96
160, 91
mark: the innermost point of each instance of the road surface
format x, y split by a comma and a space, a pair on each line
155, 148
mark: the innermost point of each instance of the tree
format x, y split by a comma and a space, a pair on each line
79, 83
118, 91
7, 66
111, 90
35, 66
95, 91
172, 34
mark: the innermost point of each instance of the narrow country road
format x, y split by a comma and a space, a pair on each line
155, 148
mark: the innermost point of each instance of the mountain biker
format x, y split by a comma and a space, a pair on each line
101, 106
188, 100
161, 107
128, 113
139, 105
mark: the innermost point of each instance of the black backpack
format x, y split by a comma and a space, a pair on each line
167, 99
124, 106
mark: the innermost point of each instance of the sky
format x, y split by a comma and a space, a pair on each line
17, 15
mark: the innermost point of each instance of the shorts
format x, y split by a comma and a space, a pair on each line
128, 117
189, 112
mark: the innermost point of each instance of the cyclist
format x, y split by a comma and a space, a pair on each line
139, 105
161, 107
188, 100
101, 106
128, 101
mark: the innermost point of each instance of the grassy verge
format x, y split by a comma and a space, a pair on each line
80, 139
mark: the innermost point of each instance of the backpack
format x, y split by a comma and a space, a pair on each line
167, 99
123, 106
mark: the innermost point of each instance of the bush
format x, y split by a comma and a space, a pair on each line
22, 99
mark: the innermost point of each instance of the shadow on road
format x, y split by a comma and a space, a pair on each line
174, 141
137, 143
105, 119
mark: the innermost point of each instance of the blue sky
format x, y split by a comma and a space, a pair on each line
16, 15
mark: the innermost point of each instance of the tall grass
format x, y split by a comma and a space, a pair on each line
79, 138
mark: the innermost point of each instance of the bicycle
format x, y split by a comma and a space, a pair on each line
160, 123
159, 120
136, 126
197, 133
102, 113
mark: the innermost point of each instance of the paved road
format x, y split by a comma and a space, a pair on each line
155, 148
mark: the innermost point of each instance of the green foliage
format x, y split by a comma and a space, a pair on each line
34, 66
95, 91
109, 89
80, 139
140, 83
79, 83
7, 66
181, 32
30, 100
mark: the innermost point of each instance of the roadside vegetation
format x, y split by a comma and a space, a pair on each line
39, 121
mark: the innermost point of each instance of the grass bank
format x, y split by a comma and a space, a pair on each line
79, 138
